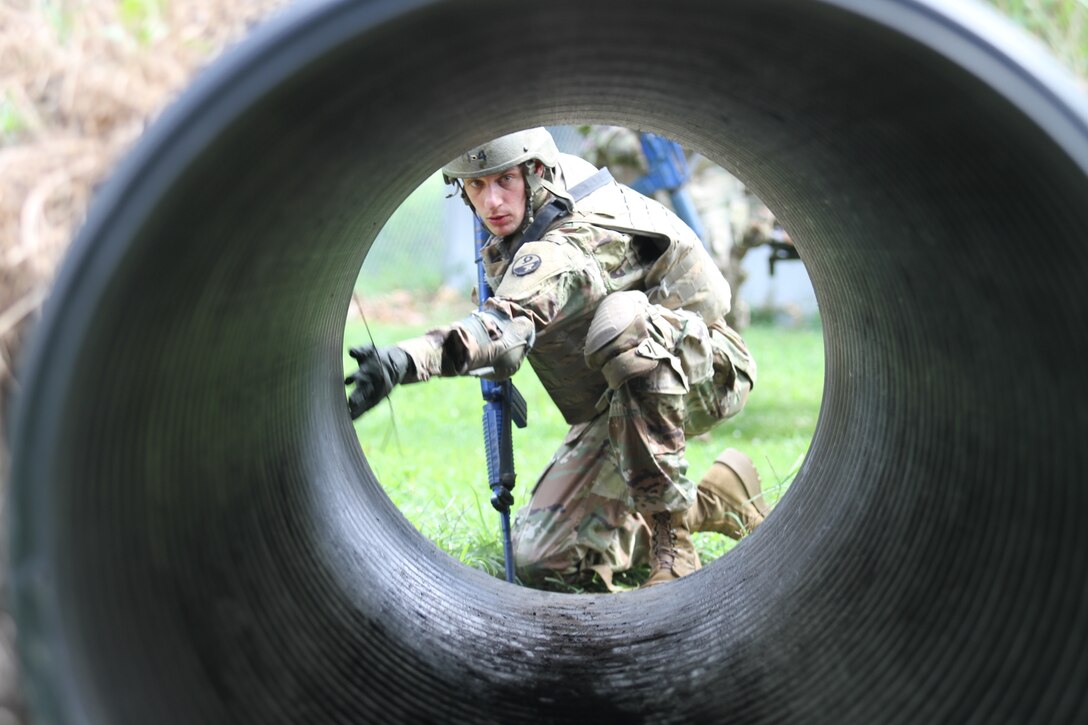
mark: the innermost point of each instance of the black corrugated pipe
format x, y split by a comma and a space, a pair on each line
198, 538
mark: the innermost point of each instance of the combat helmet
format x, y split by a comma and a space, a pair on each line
503, 153
521, 147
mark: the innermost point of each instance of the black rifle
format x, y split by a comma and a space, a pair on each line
503, 404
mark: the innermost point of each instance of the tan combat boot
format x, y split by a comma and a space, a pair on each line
729, 499
672, 552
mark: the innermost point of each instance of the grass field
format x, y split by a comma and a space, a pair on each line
425, 442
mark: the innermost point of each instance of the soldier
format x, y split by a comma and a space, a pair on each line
620, 311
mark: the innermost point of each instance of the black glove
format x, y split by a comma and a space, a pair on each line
380, 369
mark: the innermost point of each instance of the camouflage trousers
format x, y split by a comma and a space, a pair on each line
583, 515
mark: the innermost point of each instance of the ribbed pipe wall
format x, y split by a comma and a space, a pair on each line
198, 538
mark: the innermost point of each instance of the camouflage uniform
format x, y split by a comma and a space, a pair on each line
662, 375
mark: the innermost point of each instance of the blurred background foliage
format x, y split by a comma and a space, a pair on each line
1061, 24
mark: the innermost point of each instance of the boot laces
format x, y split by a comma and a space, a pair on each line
663, 541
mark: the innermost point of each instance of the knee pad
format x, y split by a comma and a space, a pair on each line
619, 326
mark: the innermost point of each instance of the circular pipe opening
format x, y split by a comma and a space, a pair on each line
197, 537
425, 443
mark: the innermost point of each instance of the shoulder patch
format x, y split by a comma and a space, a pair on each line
535, 265
526, 264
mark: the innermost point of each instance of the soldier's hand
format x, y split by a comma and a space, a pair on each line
380, 369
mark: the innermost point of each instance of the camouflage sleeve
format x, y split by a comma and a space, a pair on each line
488, 343
734, 348
426, 353
548, 281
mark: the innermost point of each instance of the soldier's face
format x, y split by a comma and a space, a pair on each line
499, 200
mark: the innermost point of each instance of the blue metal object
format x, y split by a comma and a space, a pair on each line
668, 170
503, 404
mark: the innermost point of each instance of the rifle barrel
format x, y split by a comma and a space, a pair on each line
503, 404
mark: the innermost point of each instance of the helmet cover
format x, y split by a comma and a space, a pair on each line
504, 153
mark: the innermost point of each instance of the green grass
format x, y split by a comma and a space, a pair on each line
425, 442
12, 123
143, 19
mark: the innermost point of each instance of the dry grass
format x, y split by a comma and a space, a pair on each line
79, 82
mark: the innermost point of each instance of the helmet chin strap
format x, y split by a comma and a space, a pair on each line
537, 190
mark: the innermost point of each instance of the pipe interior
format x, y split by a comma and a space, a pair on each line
198, 537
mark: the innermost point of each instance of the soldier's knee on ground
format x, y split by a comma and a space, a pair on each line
529, 574
619, 326
535, 562
537, 572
